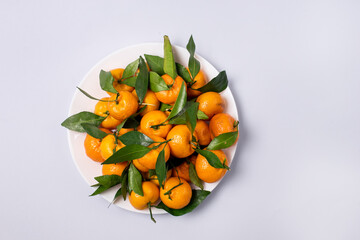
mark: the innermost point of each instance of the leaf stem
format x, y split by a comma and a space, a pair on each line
93, 98
156, 127
169, 192
151, 215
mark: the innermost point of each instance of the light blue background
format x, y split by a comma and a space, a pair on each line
293, 66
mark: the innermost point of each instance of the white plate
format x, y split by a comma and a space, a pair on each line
90, 169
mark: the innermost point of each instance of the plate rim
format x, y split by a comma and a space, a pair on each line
93, 68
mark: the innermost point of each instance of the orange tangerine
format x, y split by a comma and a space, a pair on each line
170, 96
208, 173
176, 193
181, 143
151, 195
123, 106
154, 118
210, 103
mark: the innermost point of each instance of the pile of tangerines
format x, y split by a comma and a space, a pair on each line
159, 132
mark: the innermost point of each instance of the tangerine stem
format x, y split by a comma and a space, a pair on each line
169, 192
151, 216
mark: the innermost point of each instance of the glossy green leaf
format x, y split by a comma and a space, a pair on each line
183, 72
130, 69
131, 122
222, 141
106, 182
135, 137
197, 197
117, 195
212, 159
180, 102
160, 167
191, 116
169, 62
156, 63
131, 81
124, 185
142, 81
217, 84
99, 190
157, 83
164, 107
152, 172
193, 64
201, 115
93, 131
74, 122
106, 81
135, 180
127, 153
194, 177
190, 46
121, 125
180, 119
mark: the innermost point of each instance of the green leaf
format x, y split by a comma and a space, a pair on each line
157, 84
222, 141
106, 182
156, 63
180, 102
121, 125
127, 153
193, 64
106, 81
183, 72
191, 46
117, 194
131, 122
197, 197
131, 69
152, 172
165, 107
217, 84
93, 131
142, 81
160, 167
194, 177
135, 180
131, 81
135, 137
179, 119
201, 115
169, 62
99, 190
190, 113
124, 185
212, 159
74, 122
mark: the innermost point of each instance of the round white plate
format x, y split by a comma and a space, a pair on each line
119, 59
